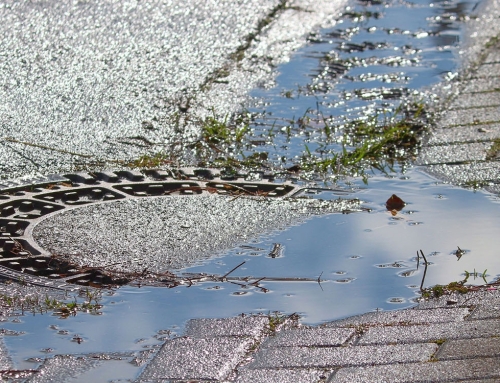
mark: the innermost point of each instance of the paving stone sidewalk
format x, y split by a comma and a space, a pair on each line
464, 149
454, 338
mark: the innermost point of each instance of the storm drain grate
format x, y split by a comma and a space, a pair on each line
25, 203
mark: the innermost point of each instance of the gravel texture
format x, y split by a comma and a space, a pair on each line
449, 371
62, 367
303, 375
239, 326
411, 316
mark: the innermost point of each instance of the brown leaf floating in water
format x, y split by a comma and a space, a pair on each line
395, 203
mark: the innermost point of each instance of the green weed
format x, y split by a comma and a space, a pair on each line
372, 144
475, 184
492, 42
475, 275
219, 132
151, 161
440, 290
36, 304
494, 150
376, 143
278, 320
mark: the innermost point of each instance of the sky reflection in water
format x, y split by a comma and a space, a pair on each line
352, 248
341, 247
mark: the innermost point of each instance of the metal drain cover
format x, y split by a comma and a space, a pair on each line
78, 228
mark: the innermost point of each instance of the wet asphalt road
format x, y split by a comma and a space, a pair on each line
91, 84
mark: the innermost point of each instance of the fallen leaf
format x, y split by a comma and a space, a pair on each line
395, 203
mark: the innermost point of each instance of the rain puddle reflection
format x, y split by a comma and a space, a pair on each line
364, 261
378, 54
330, 266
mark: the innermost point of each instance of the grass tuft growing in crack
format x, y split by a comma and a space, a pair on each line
376, 143
349, 149
494, 150
279, 321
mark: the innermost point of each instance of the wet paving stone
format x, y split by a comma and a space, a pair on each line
410, 316
310, 337
493, 57
488, 70
447, 371
469, 348
483, 85
62, 367
467, 173
486, 312
342, 356
5, 362
476, 100
453, 153
464, 134
480, 381
302, 375
203, 359
471, 116
431, 332
239, 326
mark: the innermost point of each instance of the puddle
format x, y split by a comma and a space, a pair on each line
365, 261
376, 55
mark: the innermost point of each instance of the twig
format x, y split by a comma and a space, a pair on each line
235, 198
230, 271
319, 281
257, 281
425, 270
18, 247
238, 284
270, 279
251, 247
10, 139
